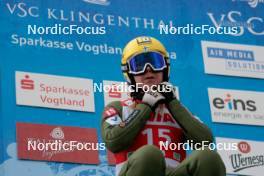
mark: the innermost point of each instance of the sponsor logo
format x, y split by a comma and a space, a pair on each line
131, 116
240, 163
27, 83
244, 147
94, 22
144, 40
251, 3
146, 49
236, 18
116, 92
233, 59
162, 117
26, 10
248, 159
57, 133
114, 120
54, 91
235, 106
109, 112
98, 2
53, 143
242, 55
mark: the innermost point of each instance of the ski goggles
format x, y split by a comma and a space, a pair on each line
137, 64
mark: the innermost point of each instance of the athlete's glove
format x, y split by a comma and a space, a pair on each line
152, 98
168, 91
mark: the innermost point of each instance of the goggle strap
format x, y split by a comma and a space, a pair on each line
167, 60
124, 67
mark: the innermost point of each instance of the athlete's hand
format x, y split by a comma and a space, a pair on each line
152, 98
168, 91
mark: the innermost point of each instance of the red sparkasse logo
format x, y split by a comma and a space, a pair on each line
44, 142
114, 92
244, 147
27, 83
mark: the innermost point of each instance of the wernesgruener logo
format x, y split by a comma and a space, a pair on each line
243, 160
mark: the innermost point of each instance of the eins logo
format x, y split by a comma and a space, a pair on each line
234, 104
98, 2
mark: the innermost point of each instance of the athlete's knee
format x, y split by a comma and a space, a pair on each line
209, 156
211, 159
149, 153
147, 160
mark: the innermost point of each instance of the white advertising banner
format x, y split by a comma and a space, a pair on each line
236, 106
52, 91
233, 59
248, 159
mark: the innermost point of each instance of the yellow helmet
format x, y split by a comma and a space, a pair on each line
140, 45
